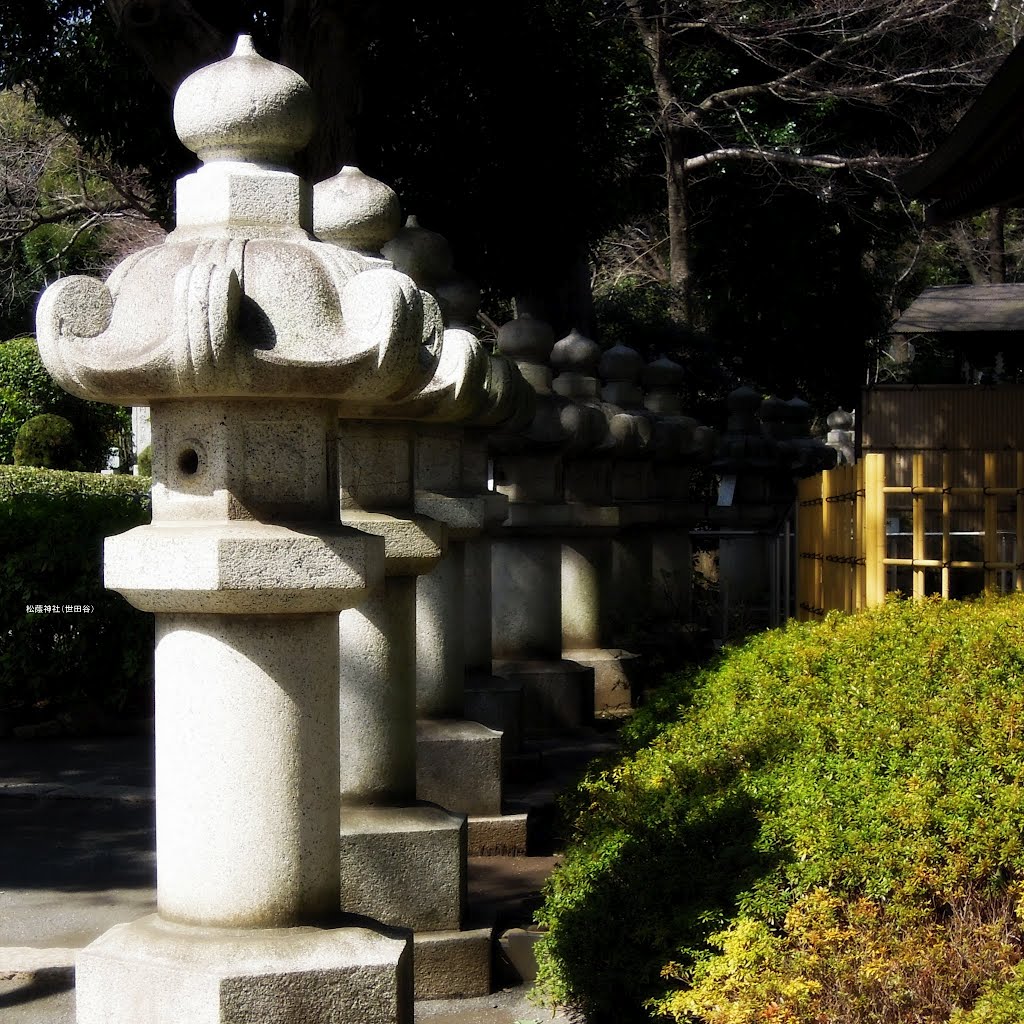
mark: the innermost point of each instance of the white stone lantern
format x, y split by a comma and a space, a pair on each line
244, 334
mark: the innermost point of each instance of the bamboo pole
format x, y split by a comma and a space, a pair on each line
874, 528
947, 512
1018, 550
990, 540
860, 575
936, 563
999, 491
850, 539
918, 520
828, 567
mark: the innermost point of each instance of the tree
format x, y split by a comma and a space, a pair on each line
506, 141
794, 270
62, 210
849, 85
27, 390
731, 138
988, 246
789, 286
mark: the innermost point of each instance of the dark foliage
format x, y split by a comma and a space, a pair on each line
52, 526
46, 441
26, 390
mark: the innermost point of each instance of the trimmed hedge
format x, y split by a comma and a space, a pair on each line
146, 461
826, 825
52, 526
47, 441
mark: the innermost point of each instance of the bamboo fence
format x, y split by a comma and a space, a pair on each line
960, 513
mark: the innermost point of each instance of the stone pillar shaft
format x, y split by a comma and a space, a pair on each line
440, 657
245, 703
245, 717
477, 605
377, 690
584, 583
377, 674
526, 604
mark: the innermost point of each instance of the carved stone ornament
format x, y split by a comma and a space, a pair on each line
467, 385
241, 300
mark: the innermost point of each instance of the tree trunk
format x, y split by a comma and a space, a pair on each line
170, 37
963, 244
656, 42
997, 245
320, 39
678, 226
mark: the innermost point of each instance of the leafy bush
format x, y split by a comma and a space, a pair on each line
27, 389
827, 825
52, 526
146, 461
46, 441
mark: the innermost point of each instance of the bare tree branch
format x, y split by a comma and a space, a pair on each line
47, 180
864, 53
819, 161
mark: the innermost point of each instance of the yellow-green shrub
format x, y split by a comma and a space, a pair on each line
825, 826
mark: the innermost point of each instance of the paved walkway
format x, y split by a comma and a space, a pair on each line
78, 857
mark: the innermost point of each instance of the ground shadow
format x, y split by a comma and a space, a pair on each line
74, 845
35, 987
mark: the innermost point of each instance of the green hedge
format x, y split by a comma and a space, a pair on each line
47, 441
827, 825
52, 526
27, 389
146, 461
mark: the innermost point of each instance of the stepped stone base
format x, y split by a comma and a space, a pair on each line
498, 704
404, 866
453, 965
153, 971
458, 765
500, 835
52, 966
615, 676
517, 944
557, 695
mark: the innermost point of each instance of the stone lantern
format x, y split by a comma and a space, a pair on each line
588, 598
526, 556
244, 335
402, 462
621, 368
842, 436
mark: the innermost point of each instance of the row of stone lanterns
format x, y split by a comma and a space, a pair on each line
403, 850
344, 605
283, 372
596, 535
